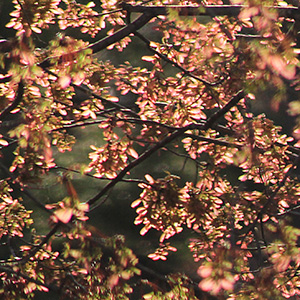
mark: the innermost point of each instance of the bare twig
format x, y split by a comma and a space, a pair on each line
213, 141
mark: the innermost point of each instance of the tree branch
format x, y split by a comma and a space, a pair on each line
171, 137
136, 162
120, 34
212, 141
175, 64
208, 10
116, 105
15, 103
218, 114
109, 40
15, 185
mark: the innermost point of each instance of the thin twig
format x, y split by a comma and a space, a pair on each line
175, 64
212, 140
23, 190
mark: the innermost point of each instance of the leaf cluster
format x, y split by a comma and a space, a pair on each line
190, 97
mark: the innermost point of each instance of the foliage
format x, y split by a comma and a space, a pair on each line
189, 96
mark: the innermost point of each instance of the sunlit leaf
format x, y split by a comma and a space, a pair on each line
64, 215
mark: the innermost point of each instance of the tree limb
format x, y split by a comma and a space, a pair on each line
122, 33
218, 114
109, 40
208, 10
171, 137
136, 162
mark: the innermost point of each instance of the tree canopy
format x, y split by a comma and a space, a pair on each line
103, 91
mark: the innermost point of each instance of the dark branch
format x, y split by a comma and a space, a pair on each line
171, 137
122, 33
116, 105
136, 162
15, 103
220, 113
175, 64
210, 10
109, 40
213, 141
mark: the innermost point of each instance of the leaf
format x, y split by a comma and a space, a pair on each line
281, 262
78, 78
208, 285
149, 296
3, 143
35, 91
91, 4
64, 81
248, 12
149, 58
112, 98
132, 152
205, 271
113, 280
64, 215
36, 29
83, 207
227, 284
136, 203
125, 275
143, 231
278, 63
149, 179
